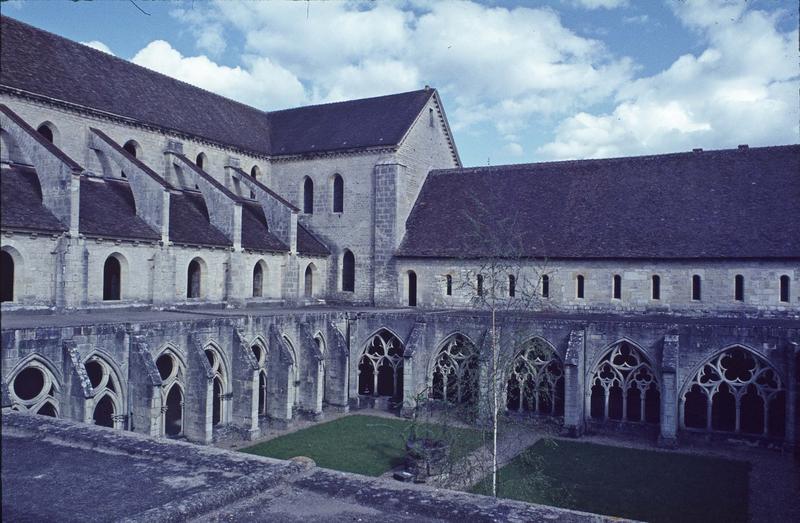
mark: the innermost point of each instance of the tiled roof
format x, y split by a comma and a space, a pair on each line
107, 209
21, 202
255, 231
369, 122
189, 223
309, 244
46, 64
714, 204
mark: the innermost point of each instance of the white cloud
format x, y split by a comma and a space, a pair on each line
741, 89
498, 66
262, 83
514, 149
597, 4
100, 46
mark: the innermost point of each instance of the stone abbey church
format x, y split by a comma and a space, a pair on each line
178, 264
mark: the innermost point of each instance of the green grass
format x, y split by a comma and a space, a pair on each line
363, 444
638, 484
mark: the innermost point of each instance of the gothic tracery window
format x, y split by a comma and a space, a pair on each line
735, 391
260, 355
380, 369
536, 380
106, 393
172, 373
455, 372
34, 389
219, 386
624, 387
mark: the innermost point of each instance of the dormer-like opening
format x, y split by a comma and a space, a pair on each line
49, 132
201, 161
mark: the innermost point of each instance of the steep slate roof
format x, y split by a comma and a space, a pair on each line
255, 231
369, 122
713, 204
309, 244
107, 209
43, 63
21, 202
189, 222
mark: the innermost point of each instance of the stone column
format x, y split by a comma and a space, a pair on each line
244, 381
144, 389
573, 384
198, 407
388, 232
791, 437
668, 436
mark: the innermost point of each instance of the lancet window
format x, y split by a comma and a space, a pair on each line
172, 373
380, 369
106, 393
624, 387
219, 386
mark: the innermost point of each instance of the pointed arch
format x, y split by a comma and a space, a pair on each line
623, 385
172, 368
115, 269
338, 193
454, 376
535, 382
735, 390
220, 384
33, 386
380, 367
105, 379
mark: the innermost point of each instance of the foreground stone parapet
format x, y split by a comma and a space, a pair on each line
105, 475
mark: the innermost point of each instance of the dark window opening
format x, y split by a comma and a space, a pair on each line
216, 411
309, 282
545, 286
46, 132
258, 281
201, 160
412, 289
338, 194
29, 383
579, 286
130, 148
95, 372
512, 285
6, 277
617, 290
738, 288
448, 282
656, 287
173, 417
164, 365
112, 279
308, 196
48, 410
254, 172
784, 289
193, 280
696, 287
348, 272
480, 284
262, 393
104, 413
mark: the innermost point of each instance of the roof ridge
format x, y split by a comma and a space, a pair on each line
134, 64
352, 100
509, 166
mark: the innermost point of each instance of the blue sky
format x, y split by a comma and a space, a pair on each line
520, 81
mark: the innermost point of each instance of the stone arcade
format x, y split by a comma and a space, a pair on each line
178, 264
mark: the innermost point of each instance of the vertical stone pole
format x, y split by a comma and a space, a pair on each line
80, 387
411, 387
792, 350
244, 381
356, 348
668, 436
279, 379
573, 384
312, 375
388, 233
239, 280
144, 389
198, 408
74, 274
337, 367
163, 276
59, 270
290, 290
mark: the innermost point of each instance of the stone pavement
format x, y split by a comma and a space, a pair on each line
56, 470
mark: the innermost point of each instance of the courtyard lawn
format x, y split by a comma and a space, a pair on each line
637, 484
363, 444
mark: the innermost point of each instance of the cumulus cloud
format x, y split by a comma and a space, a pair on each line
497, 66
262, 83
598, 4
100, 46
742, 88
